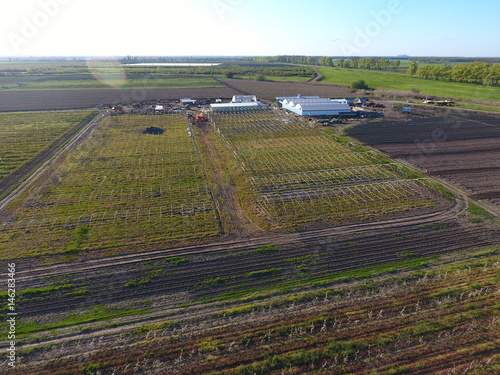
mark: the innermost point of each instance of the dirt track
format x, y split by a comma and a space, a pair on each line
227, 193
84, 266
43, 160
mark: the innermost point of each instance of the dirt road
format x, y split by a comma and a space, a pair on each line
16, 183
227, 196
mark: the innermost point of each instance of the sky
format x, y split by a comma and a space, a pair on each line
249, 28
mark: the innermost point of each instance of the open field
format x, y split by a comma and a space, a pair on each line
24, 136
11, 101
119, 188
90, 82
461, 147
255, 243
278, 78
28, 170
268, 90
394, 81
300, 175
317, 304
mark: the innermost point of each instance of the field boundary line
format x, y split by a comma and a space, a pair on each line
83, 266
27, 179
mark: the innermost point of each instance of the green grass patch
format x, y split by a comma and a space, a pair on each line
475, 220
440, 188
137, 282
476, 210
79, 293
394, 81
435, 226
157, 273
244, 309
177, 260
94, 84
209, 345
155, 327
215, 281
276, 78
44, 291
303, 259
43, 129
70, 212
407, 254
326, 280
263, 273
95, 314
486, 253
266, 249
448, 292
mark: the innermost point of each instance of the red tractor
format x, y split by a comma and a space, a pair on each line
201, 117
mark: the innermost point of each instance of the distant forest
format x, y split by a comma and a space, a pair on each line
450, 60
475, 72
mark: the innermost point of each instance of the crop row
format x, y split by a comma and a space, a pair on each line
323, 256
25, 135
119, 187
300, 175
325, 178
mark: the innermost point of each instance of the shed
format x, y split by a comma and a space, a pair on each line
280, 99
244, 98
318, 107
187, 101
406, 109
237, 107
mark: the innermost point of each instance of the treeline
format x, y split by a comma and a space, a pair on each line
449, 60
476, 72
306, 60
242, 70
370, 63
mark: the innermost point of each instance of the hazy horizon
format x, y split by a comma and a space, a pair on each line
69, 28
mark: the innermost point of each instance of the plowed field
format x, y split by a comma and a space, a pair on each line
269, 90
463, 149
73, 99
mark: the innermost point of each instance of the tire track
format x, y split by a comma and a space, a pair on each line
16, 183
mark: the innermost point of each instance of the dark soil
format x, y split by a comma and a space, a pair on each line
153, 130
462, 148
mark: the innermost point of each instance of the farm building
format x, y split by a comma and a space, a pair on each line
187, 101
361, 100
244, 99
280, 99
238, 107
317, 106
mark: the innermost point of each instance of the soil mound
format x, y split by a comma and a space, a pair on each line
153, 130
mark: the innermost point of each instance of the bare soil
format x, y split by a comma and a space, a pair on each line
268, 90
463, 148
227, 196
11, 101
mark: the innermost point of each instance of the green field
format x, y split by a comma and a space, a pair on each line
300, 175
397, 82
280, 78
119, 188
158, 82
24, 135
